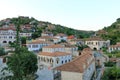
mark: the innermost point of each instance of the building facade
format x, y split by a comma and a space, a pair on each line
81, 68
52, 60
37, 45
114, 47
8, 35
97, 43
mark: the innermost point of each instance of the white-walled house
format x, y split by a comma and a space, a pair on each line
97, 43
8, 35
73, 50
81, 68
52, 60
114, 47
47, 34
61, 37
37, 45
25, 34
76, 42
54, 48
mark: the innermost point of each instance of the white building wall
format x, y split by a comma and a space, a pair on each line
71, 75
97, 44
51, 50
62, 60
89, 72
31, 47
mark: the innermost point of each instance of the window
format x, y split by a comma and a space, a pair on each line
34, 46
29, 46
57, 60
10, 37
4, 41
62, 62
65, 61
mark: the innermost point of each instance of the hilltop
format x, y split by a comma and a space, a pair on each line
36, 27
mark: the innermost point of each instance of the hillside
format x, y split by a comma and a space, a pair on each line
111, 32
36, 27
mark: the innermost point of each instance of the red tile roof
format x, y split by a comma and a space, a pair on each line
71, 37
77, 65
55, 54
8, 28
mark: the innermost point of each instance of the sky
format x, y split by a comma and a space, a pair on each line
77, 14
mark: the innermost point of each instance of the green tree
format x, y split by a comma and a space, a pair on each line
22, 63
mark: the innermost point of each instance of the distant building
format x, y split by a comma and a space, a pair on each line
36, 45
48, 38
8, 35
97, 43
76, 42
81, 68
47, 34
114, 47
61, 37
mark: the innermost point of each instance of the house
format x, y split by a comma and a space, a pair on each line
8, 35
52, 60
73, 50
26, 27
69, 38
76, 42
97, 43
61, 37
81, 68
25, 34
48, 38
114, 47
46, 33
37, 45
54, 48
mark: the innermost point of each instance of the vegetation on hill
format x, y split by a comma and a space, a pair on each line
38, 26
112, 32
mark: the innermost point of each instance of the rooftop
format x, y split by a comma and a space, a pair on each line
55, 54
77, 65
54, 46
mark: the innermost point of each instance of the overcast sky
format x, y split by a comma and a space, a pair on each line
77, 14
